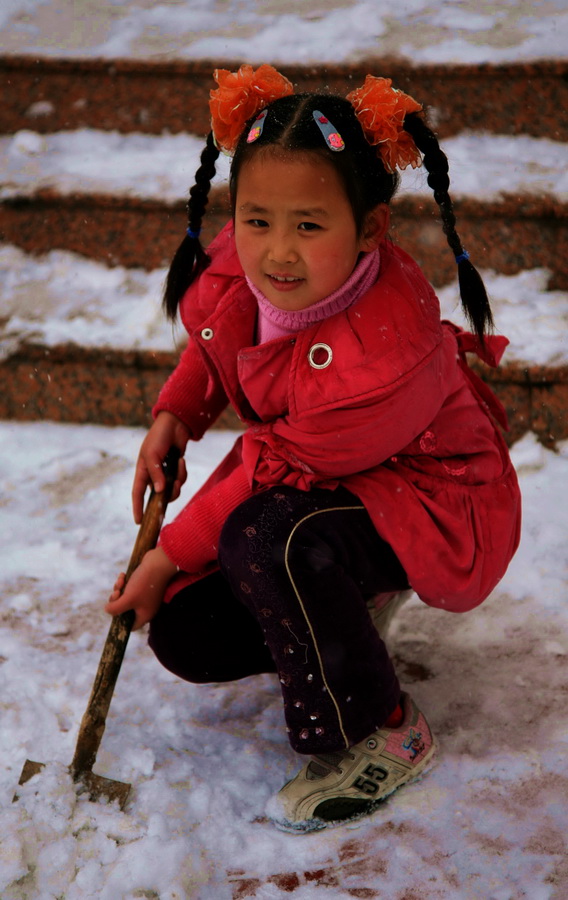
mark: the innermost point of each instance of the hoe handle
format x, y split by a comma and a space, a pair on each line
94, 720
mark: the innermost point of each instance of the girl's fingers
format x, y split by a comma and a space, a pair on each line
115, 607
181, 471
117, 604
117, 588
139, 485
118, 585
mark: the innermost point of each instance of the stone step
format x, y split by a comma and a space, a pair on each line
50, 95
508, 236
66, 383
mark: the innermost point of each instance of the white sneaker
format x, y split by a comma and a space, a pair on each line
348, 784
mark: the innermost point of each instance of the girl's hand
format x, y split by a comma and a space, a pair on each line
145, 589
166, 431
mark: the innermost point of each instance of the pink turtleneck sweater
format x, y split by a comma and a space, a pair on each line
274, 322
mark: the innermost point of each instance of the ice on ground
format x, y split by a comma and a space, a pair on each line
288, 31
482, 166
488, 821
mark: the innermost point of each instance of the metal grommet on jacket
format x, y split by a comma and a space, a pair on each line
320, 356
207, 334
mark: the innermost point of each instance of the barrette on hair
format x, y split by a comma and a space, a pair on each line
240, 96
381, 109
257, 126
330, 134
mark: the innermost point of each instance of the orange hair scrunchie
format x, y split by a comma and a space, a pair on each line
381, 109
240, 96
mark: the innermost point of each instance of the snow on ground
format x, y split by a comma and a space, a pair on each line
63, 297
488, 822
289, 31
484, 166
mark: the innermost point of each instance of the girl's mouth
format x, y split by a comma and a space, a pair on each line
285, 282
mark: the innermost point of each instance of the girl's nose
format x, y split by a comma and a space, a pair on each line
282, 249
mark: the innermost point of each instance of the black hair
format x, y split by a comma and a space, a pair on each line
473, 295
190, 258
290, 126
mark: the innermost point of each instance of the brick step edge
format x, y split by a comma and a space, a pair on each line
132, 95
508, 235
67, 383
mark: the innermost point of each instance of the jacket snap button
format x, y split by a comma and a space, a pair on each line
320, 356
207, 334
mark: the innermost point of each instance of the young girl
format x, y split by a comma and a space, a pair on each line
370, 462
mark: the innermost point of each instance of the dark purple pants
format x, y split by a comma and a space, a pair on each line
297, 569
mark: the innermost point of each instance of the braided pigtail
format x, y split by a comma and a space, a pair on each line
472, 290
190, 258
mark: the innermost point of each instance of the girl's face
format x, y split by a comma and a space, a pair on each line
295, 232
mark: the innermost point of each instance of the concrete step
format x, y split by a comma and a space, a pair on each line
49, 94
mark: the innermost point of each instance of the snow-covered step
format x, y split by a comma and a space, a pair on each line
63, 298
83, 342
511, 95
289, 31
482, 166
511, 195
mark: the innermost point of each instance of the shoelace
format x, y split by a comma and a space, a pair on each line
324, 763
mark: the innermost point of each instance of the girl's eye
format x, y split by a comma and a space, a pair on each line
308, 226
257, 223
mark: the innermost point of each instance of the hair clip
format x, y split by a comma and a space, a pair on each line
332, 137
257, 127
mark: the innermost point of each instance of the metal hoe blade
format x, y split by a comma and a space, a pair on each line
96, 787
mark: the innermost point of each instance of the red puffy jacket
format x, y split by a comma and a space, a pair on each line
378, 398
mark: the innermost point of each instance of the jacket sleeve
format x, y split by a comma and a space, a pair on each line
191, 541
192, 394
322, 447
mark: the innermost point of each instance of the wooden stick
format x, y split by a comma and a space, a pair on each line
94, 720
